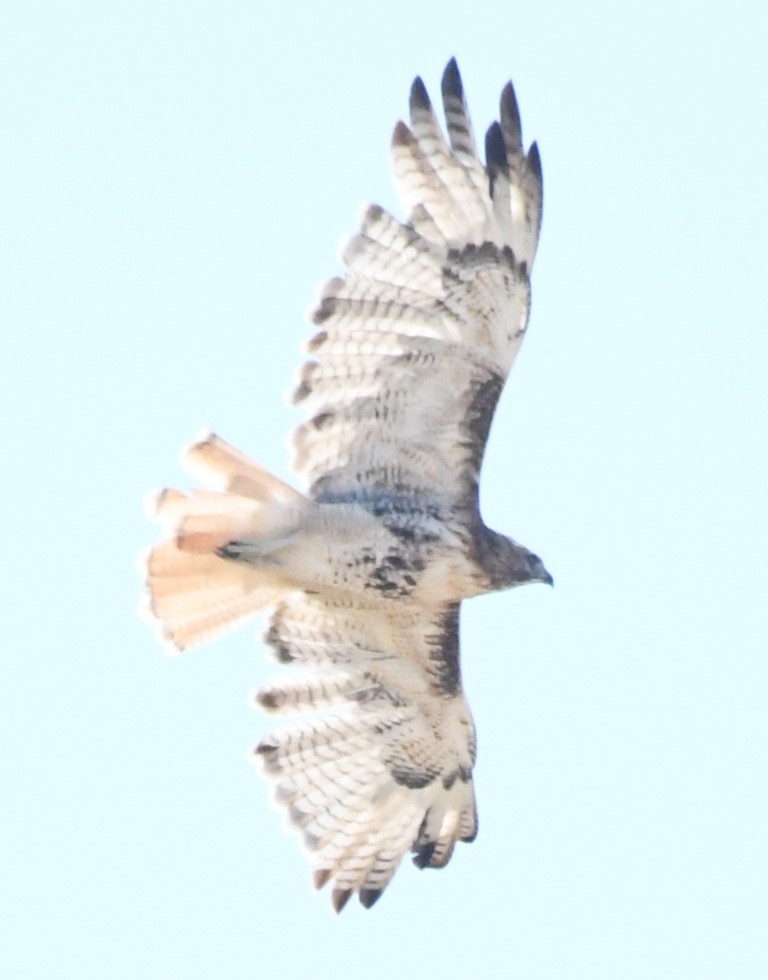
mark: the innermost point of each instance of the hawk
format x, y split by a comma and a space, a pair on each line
365, 570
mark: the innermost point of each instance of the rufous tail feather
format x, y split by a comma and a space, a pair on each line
193, 591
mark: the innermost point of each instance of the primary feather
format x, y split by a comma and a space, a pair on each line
367, 570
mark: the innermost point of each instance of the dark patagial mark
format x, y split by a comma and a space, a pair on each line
478, 420
444, 651
404, 517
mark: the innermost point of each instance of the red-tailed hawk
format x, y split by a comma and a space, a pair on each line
366, 569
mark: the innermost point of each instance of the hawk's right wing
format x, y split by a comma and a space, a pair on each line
383, 764
417, 340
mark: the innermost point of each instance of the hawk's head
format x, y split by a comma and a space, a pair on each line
507, 563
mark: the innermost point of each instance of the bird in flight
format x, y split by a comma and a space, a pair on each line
365, 569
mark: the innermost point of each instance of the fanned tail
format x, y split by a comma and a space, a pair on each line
195, 590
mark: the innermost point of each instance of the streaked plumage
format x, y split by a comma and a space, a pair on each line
366, 571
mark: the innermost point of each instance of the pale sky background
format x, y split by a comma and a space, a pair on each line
174, 182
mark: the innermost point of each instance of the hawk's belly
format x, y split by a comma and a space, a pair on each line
352, 551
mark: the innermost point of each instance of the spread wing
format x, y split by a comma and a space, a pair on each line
416, 341
385, 766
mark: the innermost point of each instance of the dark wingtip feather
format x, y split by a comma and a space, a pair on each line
324, 311
451, 86
402, 136
302, 391
457, 119
321, 876
534, 162
340, 897
369, 896
373, 213
319, 338
511, 126
266, 747
495, 150
270, 700
419, 99
423, 854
